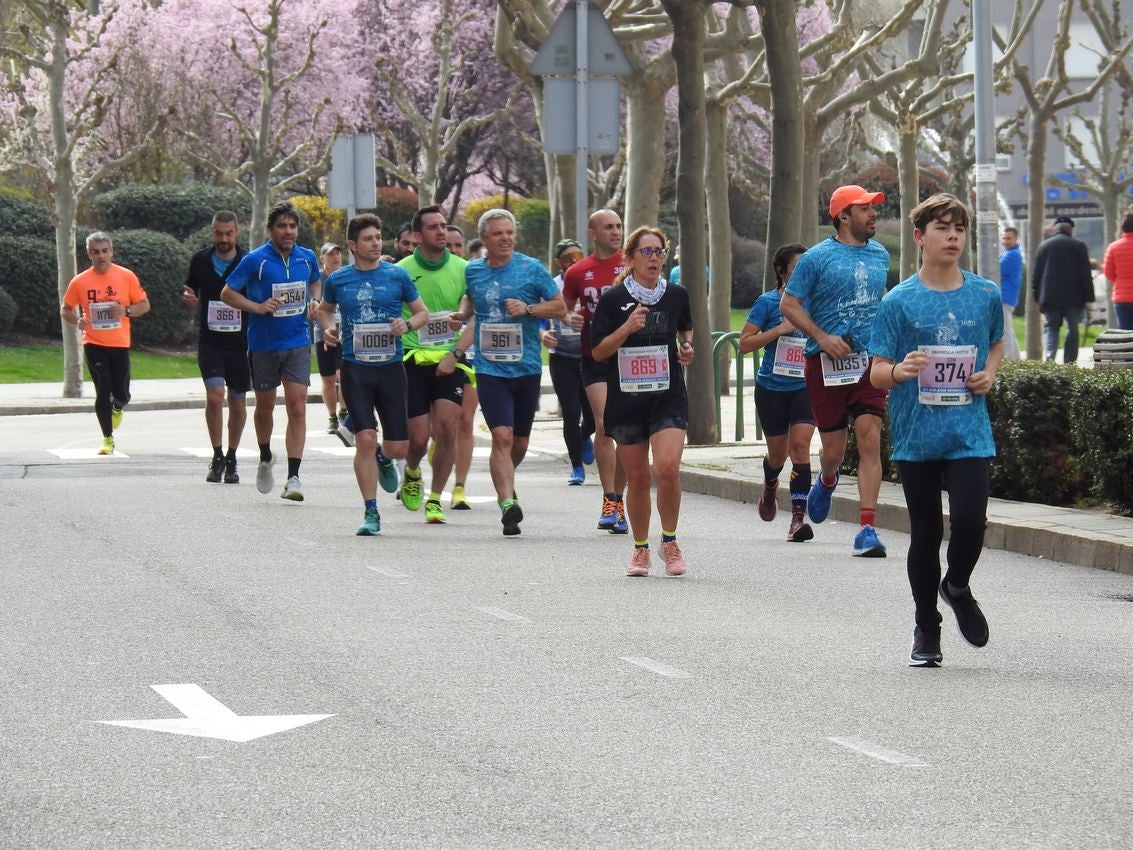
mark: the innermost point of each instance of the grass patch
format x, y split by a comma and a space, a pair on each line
43, 363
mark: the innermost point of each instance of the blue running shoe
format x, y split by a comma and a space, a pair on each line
609, 517
588, 451
620, 524
867, 544
818, 500
577, 476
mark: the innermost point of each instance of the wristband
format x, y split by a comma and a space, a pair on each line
893, 375
128, 313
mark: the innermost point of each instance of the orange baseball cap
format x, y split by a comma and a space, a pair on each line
845, 196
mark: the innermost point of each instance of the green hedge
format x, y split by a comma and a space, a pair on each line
1062, 434
533, 226
28, 274
22, 217
8, 311
161, 263
176, 210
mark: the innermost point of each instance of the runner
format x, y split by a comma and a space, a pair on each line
282, 284
108, 297
780, 397
643, 327
370, 295
583, 285
510, 292
328, 357
832, 297
222, 344
434, 365
937, 344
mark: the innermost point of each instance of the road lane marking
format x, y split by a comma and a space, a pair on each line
207, 452
656, 667
387, 572
334, 451
83, 454
501, 614
875, 751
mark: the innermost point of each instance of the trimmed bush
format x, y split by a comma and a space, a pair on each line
327, 225
1101, 421
396, 207
533, 226
161, 263
28, 274
8, 311
748, 257
176, 210
203, 239
22, 217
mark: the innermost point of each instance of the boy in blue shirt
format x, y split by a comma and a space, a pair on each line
937, 344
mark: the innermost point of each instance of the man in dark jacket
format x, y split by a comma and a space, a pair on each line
1062, 284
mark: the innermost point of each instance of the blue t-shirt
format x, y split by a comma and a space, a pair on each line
912, 315
765, 315
840, 287
523, 278
375, 295
254, 277
1010, 275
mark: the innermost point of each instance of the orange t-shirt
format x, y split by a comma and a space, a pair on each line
1118, 268
87, 288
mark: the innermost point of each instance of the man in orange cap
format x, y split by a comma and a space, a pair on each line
832, 297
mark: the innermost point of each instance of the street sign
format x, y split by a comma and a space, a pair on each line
352, 181
560, 116
557, 55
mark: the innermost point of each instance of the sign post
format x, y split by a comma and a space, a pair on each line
352, 180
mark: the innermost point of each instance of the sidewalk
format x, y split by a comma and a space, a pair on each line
731, 470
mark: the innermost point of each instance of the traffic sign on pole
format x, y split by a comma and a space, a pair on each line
352, 181
557, 54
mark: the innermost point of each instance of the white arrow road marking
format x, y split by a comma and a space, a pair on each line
501, 614
82, 454
387, 572
874, 751
206, 717
334, 451
655, 666
207, 452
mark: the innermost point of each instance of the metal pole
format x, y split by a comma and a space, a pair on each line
582, 128
987, 208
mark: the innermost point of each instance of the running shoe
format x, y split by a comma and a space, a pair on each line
638, 562
107, 446
410, 491
434, 513
265, 479
387, 476
767, 506
292, 490
588, 451
371, 524
577, 476
673, 558
925, 651
799, 532
332, 424
115, 417
344, 431
621, 526
231, 476
216, 470
818, 501
609, 516
970, 620
867, 544
459, 503
511, 518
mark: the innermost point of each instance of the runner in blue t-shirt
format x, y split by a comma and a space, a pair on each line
937, 343
277, 286
781, 401
369, 296
510, 293
832, 297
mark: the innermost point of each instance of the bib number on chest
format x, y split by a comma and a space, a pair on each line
502, 343
374, 343
840, 371
223, 318
292, 296
102, 317
436, 331
943, 382
789, 360
643, 368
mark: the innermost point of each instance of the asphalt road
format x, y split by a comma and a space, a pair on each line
517, 693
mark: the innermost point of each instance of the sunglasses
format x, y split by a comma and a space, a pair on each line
648, 252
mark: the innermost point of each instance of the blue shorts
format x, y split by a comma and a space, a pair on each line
510, 402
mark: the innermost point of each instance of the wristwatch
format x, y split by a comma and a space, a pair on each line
128, 311
457, 353
529, 310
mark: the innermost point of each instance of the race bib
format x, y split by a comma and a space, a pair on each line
292, 296
102, 316
643, 368
502, 343
223, 318
435, 331
840, 371
374, 342
943, 381
789, 360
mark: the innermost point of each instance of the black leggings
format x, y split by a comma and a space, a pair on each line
578, 421
110, 374
966, 481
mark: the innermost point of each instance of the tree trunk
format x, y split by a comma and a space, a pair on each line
645, 148
1036, 211
565, 192
688, 53
1111, 202
784, 71
808, 185
908, 175
719, 228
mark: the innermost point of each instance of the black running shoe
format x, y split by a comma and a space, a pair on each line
216, 470
926, 647
511, 519
970, 619
231, 476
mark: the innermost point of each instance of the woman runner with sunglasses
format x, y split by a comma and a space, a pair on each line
644, 327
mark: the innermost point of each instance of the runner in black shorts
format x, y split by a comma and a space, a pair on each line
329, 357
222, 346
643, 327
